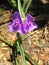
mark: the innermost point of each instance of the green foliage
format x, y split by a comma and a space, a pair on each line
22, 14
1, 9
13, 3
26, 5
19, 42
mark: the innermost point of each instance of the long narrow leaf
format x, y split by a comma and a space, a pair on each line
21, 49
22, 14
6, 42
15, 53
27, 6
30, 59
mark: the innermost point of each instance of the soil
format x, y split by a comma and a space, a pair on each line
36, 44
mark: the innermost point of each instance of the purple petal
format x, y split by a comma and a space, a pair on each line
21, 30
15, 26
16, 17
10, 27
29, 17
29, 24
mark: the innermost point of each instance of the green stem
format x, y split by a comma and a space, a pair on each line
28, 6
15, 54
6, 42
24, 5
19, 42
20, 9
30, 59
22, 54
15, 57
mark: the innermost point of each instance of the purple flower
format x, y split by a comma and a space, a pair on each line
22, 27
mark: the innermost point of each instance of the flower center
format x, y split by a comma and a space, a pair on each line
29, 23
17, 24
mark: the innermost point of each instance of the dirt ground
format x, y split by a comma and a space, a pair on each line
36, 45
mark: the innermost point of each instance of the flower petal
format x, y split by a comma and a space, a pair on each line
29, 17
29, 24
16, 17
14, 27
10, 27
21, 30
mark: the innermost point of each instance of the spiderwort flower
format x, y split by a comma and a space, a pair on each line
22, 27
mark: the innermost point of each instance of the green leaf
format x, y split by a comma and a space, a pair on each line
15, 53
21, 49
12, 2
34, 62
25, 2
6, 42
22, 14
27, 6
1, 10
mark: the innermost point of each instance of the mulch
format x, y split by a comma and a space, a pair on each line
36, 45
